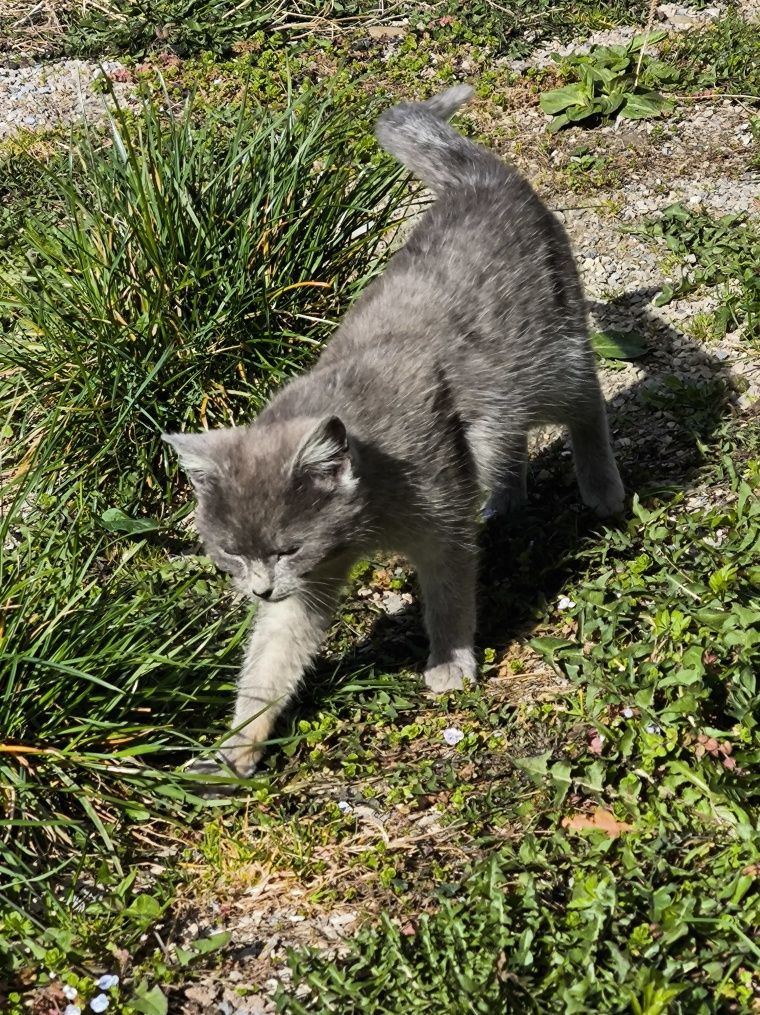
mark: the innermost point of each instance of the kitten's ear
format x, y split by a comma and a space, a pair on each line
198, 453
324, 452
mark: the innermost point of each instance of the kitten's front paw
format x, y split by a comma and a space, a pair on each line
450, 676
219, 767
607, 500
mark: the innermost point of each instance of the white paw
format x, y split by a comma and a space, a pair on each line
219, 767
606, 501
450, 676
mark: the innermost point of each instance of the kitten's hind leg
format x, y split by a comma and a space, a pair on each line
511, 493
447, 576
598, 477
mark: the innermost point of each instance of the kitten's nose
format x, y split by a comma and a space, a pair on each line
265, 594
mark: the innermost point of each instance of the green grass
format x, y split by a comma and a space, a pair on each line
715, 252
182, 27
516, 29
188, 272
724, 56
663, 654
163, 276
137, 28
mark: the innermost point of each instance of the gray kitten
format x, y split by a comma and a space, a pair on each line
423, 399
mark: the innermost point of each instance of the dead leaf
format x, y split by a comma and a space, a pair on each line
202, 994
122, 74
386, 31
595, 742
600, 821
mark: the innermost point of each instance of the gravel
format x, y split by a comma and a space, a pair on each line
672, 17
43, 96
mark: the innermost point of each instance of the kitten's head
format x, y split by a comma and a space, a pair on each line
275, 501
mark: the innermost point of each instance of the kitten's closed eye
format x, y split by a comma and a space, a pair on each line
291, 551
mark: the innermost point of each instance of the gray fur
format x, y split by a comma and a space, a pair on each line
421, 401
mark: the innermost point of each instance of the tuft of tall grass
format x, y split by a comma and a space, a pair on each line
200, 257
199, 261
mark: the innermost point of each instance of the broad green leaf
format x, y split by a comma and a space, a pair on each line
648, 40
149, 1002
534, 766
611, 103
667, 293
116, 520
212, 943
143, 910
620, 66
576, 113
642, 106
558, 123
661, 71
617, 345
605, 75
559, 100
548, 647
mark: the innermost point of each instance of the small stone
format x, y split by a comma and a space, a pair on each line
393, 603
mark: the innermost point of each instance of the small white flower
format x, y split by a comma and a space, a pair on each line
452, 736
99, 1003
628, 713
344, 807
72, 1009
652, 727
70, 992
565, 603
107, 981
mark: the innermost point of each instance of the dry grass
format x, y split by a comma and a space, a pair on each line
32, 27
40, 28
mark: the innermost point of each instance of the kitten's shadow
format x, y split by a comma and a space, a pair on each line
663, 410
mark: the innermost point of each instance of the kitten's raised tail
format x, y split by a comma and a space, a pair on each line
419, 136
